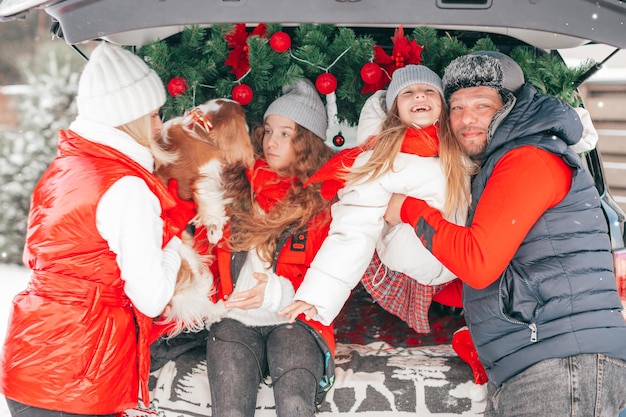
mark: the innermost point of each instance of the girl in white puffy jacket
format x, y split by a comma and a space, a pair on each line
402, 158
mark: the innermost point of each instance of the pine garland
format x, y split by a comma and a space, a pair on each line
198, 56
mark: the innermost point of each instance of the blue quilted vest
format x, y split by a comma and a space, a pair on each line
558, 296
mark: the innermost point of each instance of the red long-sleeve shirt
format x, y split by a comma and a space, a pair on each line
524, 184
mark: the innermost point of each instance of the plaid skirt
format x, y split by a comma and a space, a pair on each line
400, 294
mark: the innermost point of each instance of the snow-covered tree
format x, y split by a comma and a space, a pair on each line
26, 151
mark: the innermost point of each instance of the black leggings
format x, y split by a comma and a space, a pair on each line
239, 357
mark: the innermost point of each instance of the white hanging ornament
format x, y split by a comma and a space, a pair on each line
339, 135
331, 109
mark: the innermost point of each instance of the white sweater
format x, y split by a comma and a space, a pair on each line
128, 217
278, 294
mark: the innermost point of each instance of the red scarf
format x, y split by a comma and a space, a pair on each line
269, 188
420, 142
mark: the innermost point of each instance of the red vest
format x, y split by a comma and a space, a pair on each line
72, 341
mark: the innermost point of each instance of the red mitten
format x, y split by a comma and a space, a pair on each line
184, 211
464, 347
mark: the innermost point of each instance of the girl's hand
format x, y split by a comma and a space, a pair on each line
392, 215
298, 307
252, 298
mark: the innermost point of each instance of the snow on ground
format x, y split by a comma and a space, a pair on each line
13, 279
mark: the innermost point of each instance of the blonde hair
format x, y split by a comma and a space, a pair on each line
253, 229
387, 144
141, 130
458, 169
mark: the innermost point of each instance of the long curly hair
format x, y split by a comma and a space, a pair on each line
251, 227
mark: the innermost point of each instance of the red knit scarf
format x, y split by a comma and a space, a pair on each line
269, 188
421, 142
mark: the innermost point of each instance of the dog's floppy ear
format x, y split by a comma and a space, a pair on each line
164, 155
185, 167
231, 133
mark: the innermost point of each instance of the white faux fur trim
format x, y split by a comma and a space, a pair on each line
191, 305
211, 201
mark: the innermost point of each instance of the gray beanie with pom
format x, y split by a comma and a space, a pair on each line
301, 103
483, 69
409, 75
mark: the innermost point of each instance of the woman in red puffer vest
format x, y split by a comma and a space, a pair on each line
103, 249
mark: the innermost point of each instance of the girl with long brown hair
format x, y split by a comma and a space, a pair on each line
276, 228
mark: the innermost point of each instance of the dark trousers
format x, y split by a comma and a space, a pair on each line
22, 410
239, 357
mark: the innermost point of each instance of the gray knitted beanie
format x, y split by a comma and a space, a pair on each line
483, 68
409, 75
301, 103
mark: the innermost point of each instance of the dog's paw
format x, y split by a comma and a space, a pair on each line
216, 313
215, 230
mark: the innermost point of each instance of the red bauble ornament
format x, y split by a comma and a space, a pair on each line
339, 140
280, 42
242, 94
177, 86
326, 83
371, 73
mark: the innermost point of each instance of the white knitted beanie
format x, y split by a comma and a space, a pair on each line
409, 75
117, 87
301, 103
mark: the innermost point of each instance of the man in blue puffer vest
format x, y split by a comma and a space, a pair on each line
540, 294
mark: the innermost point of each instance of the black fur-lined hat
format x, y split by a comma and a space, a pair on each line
483, 68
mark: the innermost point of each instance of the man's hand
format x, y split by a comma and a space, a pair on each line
252, 298
295, 309
392, 215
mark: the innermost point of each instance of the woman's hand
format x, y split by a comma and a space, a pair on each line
252, 298
295, 309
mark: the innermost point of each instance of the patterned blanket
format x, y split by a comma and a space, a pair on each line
383, 368
372, 380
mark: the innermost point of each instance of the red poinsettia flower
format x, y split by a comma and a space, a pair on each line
237, 40
404, 52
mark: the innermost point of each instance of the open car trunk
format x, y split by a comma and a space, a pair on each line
383, 367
